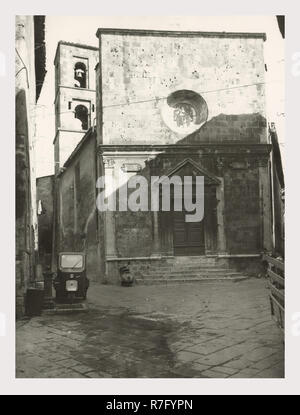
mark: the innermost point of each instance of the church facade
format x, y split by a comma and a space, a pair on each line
166, 103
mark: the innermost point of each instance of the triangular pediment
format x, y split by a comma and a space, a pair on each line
189, 166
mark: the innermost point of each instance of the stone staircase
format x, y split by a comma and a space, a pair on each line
183, 269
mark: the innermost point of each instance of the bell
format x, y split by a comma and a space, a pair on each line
79, 73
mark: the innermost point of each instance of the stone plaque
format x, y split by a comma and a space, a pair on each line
239, 165
131, 167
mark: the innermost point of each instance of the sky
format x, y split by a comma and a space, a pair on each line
82, 29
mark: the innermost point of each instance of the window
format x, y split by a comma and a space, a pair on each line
82, 113
80, 75
40, 208
71, 261
184, 111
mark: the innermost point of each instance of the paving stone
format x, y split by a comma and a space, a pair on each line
245, 373
53, 357
212, 346
75, 375
93, 375
72, 324
225, 355
183, 371
224, 369
276, 371
199, 366
217, 331
238, 364
68, 342
78, 337
211, 373
27, 372
260, 353
82, 369
57, 372
105, 374
186, 356
37, 362
68, 363
267, 362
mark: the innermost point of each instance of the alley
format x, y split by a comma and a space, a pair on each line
201, 330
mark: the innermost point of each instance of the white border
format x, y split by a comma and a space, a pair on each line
10, 385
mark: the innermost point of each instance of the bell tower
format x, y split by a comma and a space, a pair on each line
75, 94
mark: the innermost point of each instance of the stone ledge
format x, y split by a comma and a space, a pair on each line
177, 33
146, 258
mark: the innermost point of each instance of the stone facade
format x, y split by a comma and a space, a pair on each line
173, 103
140, 76
140, 70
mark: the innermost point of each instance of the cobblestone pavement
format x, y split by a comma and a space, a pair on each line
210, 330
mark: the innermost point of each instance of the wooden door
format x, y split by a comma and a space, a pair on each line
188, 236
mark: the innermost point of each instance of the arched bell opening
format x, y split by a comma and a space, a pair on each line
80, 75
82, 113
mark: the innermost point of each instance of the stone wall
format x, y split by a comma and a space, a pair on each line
25, 100
242, 213
138, 73
65, 144
45, 201
240, 204
77, 223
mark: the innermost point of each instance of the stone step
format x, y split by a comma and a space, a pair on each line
196, 264
186, 269
195, 259
66, 308
191, 275
176, 270
188, 265
183, 265
189, 269
150, 281
196, 273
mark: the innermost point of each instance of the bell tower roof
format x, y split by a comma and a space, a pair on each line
76, 45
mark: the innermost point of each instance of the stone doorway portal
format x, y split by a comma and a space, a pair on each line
181, 238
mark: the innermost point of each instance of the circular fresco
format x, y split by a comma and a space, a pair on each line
184, 111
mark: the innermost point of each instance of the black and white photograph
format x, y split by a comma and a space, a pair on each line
150, 196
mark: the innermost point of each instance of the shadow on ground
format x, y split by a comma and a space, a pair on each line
192, 330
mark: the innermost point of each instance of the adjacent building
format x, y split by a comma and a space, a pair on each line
30, 72
75, 96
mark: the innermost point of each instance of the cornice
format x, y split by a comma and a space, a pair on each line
177, 33
200, 149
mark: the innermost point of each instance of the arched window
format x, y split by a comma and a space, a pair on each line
82, 113
184, 111
80, 75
